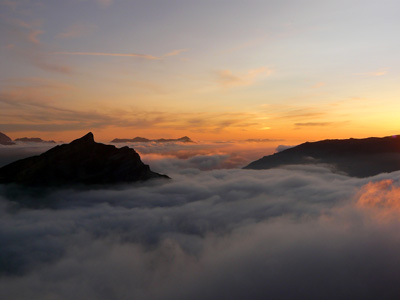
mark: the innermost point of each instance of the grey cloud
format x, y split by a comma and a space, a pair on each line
8, 154
163, 157
202, 155
43, 63
291, 233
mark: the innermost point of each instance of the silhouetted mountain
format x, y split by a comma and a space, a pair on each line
83, 161
5, 140
135, 140
33, 140
355, 157
138, 139
184, 139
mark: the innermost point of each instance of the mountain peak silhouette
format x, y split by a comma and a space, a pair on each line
354, 157
83, 161
5, 140
86, 139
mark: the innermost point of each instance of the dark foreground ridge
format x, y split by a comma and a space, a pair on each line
5, 140
139, 139
83, 161
355, 157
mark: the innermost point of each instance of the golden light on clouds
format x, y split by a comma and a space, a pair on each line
381, 194
381, 200
229, 79
377, 73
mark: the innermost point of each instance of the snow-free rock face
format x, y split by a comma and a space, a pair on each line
5, 140
83, 161
354, 157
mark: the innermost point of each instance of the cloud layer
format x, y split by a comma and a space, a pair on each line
293, 233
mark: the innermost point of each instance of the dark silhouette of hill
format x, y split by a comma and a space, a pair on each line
33, 140
138, 139
83, 161
355, 157
5, 140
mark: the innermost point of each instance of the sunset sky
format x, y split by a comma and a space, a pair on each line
211, 70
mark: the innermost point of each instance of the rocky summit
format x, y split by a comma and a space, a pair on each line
83, 161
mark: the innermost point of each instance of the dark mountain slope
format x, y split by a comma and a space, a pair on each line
83, 161
355, 157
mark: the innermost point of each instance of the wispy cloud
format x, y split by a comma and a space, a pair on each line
245, 45
380, 72
11, 4
144, 56
320, 124
175, 52
9, 46
26, 31
227, 79
31, 29
34, 55
318, 85
77, 30
297, 114
30, 106
42, 62
104, 3
313, 124
34, 36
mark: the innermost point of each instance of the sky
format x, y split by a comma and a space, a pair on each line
211, 70
243, 79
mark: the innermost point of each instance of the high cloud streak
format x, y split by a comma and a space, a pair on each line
292, 233
228, 79
145, 56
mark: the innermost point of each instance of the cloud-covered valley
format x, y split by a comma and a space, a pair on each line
209, 233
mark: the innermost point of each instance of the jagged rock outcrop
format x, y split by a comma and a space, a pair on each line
83, 161
5, 140
355, 157
139, 139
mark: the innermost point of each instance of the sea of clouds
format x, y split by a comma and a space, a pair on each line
211, 232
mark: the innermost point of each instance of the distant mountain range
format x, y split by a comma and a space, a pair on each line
33, 140
138, 139
355, 157
83, 161
5, 140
